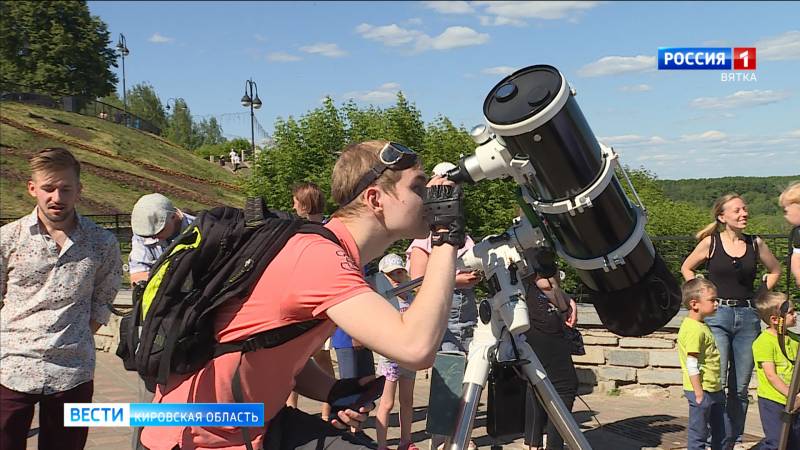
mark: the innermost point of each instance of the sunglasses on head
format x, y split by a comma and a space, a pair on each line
392, 156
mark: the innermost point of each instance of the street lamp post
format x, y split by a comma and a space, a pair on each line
122, 48
253, 102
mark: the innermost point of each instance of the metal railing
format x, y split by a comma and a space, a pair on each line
74, 103
673, 249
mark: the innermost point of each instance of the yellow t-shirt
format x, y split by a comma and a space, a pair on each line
766, 348
696, 337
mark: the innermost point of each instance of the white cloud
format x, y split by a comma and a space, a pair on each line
452, 37
395, 36
632, 139
499, 70
282, 57
782, 47
708, 136
636, 88
390, 35
614, 65
450, 7
385, 93
498, 21
260, 38
157, 38
680, 156
740, 99
512, 12
325, 49
413, 21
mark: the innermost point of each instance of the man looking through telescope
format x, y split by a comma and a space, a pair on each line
383, 197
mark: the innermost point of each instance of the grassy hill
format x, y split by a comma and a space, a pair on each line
118, 164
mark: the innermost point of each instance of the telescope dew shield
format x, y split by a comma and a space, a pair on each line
596, 228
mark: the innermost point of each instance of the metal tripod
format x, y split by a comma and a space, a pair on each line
484, 344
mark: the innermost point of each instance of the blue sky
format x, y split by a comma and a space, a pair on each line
446, 57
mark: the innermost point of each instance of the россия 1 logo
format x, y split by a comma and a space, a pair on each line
737, 59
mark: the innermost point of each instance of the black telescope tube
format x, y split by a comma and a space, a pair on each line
536, 116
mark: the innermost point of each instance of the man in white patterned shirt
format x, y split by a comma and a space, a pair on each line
59, 272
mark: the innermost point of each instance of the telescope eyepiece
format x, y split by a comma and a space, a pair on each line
460, 174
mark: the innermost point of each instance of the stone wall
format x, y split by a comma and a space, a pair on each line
646, 366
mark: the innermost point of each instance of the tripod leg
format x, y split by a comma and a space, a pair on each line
794, 388
557, 412
475, 378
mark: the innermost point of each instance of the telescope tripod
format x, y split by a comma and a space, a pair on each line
490, 339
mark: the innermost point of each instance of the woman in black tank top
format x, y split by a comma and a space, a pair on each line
731, 258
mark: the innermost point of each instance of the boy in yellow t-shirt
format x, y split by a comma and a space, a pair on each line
700, 365
774, 370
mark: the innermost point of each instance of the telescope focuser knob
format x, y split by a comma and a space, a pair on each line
480, 134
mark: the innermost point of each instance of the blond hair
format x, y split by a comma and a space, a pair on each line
54, 159
693, 289
769, 304
354, 162
790, 195
716, 210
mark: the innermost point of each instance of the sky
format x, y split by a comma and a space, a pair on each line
446, 57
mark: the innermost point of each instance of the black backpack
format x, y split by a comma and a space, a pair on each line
218, 258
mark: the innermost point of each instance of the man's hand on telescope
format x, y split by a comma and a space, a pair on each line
444, 212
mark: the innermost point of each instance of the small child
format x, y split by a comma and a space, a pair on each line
700, 365
395, 273
774, 370
790, 202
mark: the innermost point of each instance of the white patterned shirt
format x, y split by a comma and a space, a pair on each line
49, 297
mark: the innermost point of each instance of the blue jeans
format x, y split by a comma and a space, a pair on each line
770, 413
355, 362
461, 322
709, 413
734, 330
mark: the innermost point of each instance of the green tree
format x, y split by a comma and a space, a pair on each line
143, 101
113, 100
304, 150
207, 132
405, 123
180, 127
56, 46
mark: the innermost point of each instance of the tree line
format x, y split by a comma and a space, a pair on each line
59, 47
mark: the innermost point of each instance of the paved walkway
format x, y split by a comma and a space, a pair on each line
628, 422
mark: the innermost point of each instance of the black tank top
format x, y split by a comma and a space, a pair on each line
734, 277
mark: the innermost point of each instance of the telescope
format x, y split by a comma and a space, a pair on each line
536, 134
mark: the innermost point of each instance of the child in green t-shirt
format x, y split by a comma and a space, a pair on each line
774, 369
700, 365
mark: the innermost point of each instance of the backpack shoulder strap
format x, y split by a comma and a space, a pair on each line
319, 229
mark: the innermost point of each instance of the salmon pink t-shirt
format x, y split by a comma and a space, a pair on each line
308, 276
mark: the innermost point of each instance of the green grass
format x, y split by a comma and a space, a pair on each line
116, 175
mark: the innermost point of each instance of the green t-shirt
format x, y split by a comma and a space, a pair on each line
766, 348
696, 337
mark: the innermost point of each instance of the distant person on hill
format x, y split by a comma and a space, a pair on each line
790, 201
731, 257
59, 272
